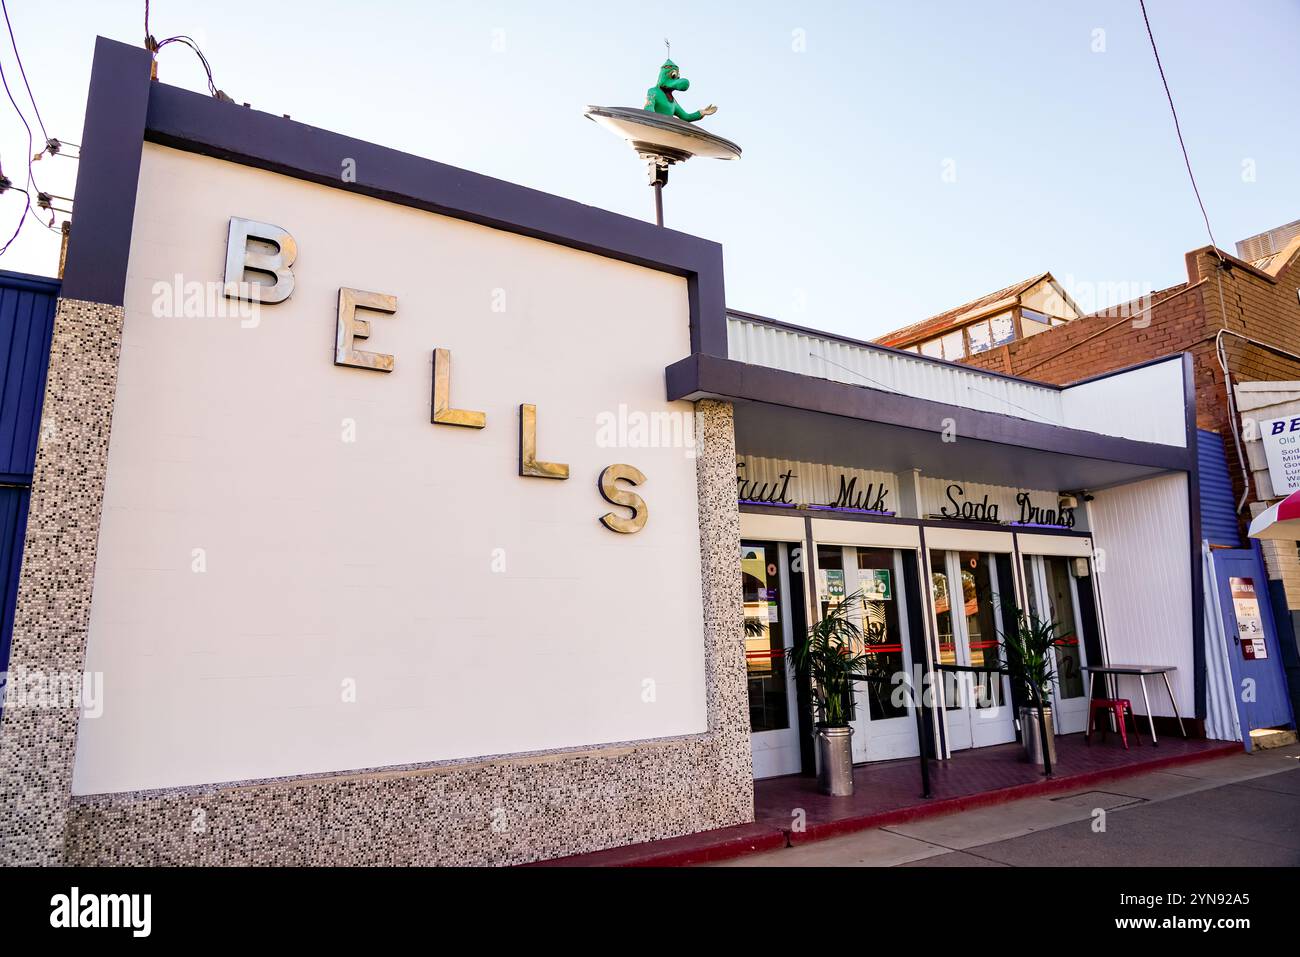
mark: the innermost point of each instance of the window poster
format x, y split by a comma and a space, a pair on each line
875, 584
1250, 625
832, 582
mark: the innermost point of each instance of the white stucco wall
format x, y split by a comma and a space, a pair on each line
378, 561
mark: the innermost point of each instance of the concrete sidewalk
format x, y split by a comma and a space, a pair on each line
1243, 809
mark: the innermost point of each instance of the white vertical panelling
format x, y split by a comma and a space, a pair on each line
1145, 405
1144, 571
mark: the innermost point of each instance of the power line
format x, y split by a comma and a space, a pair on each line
27, 207
13, 42
1178, 129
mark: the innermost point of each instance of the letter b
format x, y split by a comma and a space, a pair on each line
240, 256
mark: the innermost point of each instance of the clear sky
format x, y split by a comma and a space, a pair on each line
900, 158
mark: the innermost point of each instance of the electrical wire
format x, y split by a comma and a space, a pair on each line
207, 67
1178, 129
4, 8
155, 46
44, 201
27, 207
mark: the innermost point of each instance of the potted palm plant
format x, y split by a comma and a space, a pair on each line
831, 655
1030, 649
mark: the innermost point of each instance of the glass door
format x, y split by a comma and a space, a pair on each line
1053, 594
967, 590
884, 726
773, 719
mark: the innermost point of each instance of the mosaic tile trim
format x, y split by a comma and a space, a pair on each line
499, 811
37, 745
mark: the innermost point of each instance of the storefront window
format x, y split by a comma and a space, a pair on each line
881, 630
981, 626
970, 641
1069, 673
1056, 570
941, 596
764, 636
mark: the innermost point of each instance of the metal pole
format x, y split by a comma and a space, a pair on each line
1042, 733
659, 202
920, 741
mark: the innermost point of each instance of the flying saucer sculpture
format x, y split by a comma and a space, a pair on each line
663, 132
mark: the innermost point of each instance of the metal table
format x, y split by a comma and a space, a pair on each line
1140, 672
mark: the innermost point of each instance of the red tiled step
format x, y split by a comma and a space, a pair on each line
889, 793
700, 848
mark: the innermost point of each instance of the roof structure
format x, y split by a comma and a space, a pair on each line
951, 318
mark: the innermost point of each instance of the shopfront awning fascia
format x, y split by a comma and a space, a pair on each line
789, 415
1280, 522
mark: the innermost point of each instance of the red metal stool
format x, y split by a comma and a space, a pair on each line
1117, 706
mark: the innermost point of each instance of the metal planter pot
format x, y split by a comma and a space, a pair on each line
1029, 733
835, 761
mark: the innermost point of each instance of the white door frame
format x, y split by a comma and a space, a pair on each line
971, 726
777, 753
892, 737
1069, 715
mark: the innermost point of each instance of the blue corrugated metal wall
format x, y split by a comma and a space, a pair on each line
1218, 507
27, 306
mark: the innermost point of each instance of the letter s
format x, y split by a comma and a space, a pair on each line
617, 495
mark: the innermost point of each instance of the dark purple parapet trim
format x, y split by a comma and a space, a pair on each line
107, 174
200, 124
124, 109
701, 375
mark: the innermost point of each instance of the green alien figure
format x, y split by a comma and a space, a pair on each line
659, 99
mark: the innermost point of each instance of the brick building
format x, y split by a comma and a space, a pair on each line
1233, 312
1254, 304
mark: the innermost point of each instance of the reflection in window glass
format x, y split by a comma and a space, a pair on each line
764, 636
981, 339
940, 594
1032, 323
881, 630
1069, 674
979, 585
954, 346
1004, 328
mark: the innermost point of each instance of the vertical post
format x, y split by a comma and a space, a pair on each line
658, 179
920, 740
1042, 733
